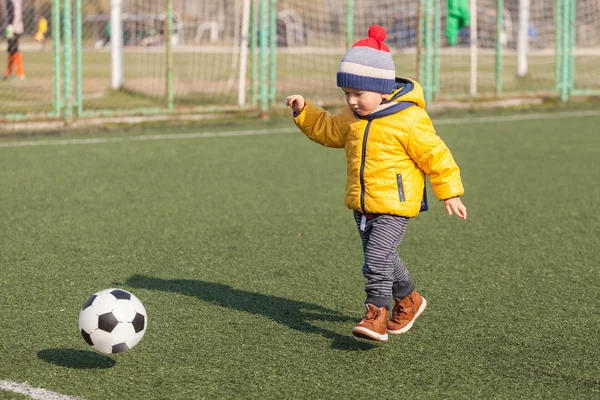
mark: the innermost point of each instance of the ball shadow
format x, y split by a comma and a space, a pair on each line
78, 359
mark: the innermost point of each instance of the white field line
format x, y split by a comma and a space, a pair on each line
33, 392
174, 136
517, 117
177, 136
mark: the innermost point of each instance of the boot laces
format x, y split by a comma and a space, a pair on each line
372, 314
400, 308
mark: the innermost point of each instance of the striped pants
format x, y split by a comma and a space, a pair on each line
386, 274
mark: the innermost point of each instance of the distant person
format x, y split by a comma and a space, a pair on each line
13, 29
391, 146
100, 44
42, 31
402, 33
536, 40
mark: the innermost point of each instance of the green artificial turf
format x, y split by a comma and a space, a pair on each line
249, 267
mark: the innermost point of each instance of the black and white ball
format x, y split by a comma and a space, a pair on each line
112, 321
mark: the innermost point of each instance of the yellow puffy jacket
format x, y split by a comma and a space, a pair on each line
388, 152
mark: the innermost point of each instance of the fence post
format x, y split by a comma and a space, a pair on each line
558, 46
78, 61
523, 38
264, 30
254, 52
572, 24
116, 44
68, 62
56, 55
437, 22
420, 32
474, 48
244, 53
349, 23
565, 41
428, 81
273, 52
499, 31
169, 50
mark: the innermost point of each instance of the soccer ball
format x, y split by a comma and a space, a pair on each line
112, 321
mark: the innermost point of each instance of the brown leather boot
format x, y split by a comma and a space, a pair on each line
405, 312
373, 325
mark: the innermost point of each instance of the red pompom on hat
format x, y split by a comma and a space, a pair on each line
368, 65
377, 32
375, 40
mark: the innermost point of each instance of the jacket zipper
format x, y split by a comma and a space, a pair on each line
400, 187
362, 167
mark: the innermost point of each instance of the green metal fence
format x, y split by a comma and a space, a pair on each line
201, 56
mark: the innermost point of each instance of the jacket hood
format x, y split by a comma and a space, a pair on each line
407, 93
408, 90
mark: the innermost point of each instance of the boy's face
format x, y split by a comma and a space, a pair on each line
361, 101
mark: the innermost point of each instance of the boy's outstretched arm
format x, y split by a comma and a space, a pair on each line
316, 123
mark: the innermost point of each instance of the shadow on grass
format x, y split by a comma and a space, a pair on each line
79, 359
294, 314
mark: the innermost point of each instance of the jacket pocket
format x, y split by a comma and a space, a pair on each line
400, 187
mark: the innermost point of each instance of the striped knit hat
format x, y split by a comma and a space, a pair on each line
368, 65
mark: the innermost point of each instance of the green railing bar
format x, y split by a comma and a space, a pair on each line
169, 49
437, 22
56, 55
499, 30
558, 47
572, 24
68, 62
28, 116
153, 111
254, 52
491, 95
420, 39
428, 51
349, 23
273, 52
585, 92
564, 88
78, 61
264, 30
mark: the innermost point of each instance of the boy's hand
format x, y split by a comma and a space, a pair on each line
455, 205
296, 102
